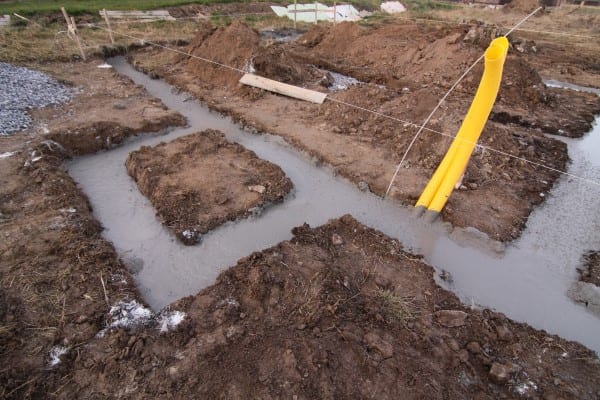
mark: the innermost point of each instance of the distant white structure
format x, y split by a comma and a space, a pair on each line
392, 7
4, 20
313, 12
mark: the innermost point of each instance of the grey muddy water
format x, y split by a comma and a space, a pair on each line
528, 281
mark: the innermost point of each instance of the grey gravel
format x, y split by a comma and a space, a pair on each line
22, 89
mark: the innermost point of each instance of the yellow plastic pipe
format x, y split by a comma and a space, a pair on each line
438, 190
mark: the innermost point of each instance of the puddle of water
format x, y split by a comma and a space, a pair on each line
566, 85
341, 82
527, 284
282, 35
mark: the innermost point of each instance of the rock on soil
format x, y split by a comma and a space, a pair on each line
200, 181
23, 89
591, 269
308, 319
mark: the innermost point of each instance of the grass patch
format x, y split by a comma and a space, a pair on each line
397, 309
50, 43
78, 7
422, 6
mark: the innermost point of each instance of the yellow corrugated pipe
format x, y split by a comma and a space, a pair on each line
457, 157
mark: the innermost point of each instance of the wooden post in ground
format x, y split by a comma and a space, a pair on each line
295, 12
112, 40
334, 12
315, 12
72, 31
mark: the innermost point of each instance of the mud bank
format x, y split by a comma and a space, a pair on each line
415, 73
339, 311
58, 276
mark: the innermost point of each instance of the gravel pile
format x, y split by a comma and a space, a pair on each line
22, 89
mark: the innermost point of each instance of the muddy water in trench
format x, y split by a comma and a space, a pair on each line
528, 282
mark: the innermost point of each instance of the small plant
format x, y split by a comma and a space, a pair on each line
396, 308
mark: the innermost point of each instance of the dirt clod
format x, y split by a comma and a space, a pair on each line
451, 318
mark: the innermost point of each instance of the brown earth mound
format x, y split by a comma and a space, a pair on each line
200, 181
238, 46
591, 269
338, 312
232, 45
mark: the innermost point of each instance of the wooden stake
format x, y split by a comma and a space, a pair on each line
334, 12
112, 40
295, 12
72, 31
26, 19
315, 13
77, 39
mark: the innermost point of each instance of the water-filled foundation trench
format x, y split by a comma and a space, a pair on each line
528, 281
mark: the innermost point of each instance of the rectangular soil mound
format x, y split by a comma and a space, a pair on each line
200, 181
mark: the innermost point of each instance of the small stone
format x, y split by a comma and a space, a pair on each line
364, 186
451, 318
472, 186
474, 347
300, 327
119, 106
463, 355
453, 344
336, 239
504, 334
257, 188
375, 342
499, 373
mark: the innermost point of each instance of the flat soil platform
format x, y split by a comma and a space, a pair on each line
200, 181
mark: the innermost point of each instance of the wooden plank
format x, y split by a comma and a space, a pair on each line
141, 15
283, 88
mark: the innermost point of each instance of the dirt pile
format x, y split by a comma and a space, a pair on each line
275, 62
232, 45
52, 260
200, 181
339, 311
240, 46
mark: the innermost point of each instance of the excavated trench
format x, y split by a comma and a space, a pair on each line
528, 280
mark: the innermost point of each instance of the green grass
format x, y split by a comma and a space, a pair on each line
78, 7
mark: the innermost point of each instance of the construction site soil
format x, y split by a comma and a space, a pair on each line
404, 70
591, 268
200, 181
339, 311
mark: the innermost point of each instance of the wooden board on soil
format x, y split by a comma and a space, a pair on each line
200, 181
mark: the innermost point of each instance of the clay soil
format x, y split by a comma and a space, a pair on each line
57, 275
338, 311
200, 181
591, 268
405, 69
